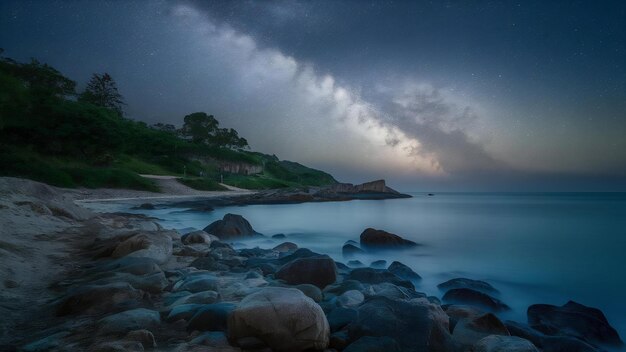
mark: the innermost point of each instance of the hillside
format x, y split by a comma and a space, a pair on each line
51, 133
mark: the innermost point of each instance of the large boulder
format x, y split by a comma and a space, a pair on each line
548, 343
497, 343
373, 239
377, 276
232, 226
476, 285
469, 330
373, 344
319, 271
416, 325
474, 298
575, 320
197, 282
349, 250
196, 237
403, 271
284, 318
211, 317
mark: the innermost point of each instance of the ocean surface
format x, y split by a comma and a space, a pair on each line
533, 247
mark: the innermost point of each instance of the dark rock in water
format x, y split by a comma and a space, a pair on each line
416, 325
497, 343
355, 263
311, 291
257, 253
575, 320
279, 236
319, 271
299, 253
286, 247
145, 206
403, 271
197, 237
211, 317
219, 244
474, 298
477, 285
131, 265
374, 344
468, 331
94, 299
183, 311
377, 276
212, 339
459, 312
379, 264
339, 340
548, 343
373, 239
350, 250
231, 227
340, 317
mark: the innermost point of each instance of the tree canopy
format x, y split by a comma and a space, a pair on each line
102, 91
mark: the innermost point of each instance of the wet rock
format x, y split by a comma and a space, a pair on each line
340, 317
470, 330
213, 317
379, 264
203, 297
475, 285
231, 227
197, 283
205, 263
338, 340
350, 298
183, 312
474, 298
416, 325
575, 320
548, 343
94, 299
458, 312
212, 339
374, 344
355, 263
198, 237
46, 344
319, 271
373, 239
403, 271
286, 247
131, 265
311, 291
394, 292
377, 276
497, 343
145, 337
279, 236
145, 206
135, 319
346, 285
156, 245
153, 283
350, 250
284, 318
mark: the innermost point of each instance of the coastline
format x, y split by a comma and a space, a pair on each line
187, 293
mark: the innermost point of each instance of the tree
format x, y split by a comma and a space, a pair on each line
102, 91
165, 127
200, 127
229, 138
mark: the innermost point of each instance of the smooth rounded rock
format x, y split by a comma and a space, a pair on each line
379, 239
319, 271
497, 343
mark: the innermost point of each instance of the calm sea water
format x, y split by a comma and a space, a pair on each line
535, 248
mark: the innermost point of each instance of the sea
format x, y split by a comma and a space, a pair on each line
533, 247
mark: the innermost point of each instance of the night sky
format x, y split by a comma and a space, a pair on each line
431, 95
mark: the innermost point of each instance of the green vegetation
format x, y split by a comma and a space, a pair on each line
51, 133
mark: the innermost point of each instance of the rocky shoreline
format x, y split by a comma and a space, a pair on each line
120, 282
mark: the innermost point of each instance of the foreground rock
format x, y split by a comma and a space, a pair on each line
494, 343
284, 318
416, 325
475, 298
476, 285
403, 271
575, 320
319, 271
379, 239
231, 227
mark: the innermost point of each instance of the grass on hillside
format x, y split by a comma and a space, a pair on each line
69, 174
202, 184
255, 182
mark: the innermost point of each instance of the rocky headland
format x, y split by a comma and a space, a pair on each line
74, 280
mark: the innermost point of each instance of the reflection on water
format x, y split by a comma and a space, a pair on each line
535, 248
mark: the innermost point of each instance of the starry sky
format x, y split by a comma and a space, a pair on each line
431, 95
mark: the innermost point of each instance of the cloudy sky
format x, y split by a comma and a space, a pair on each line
441, 95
